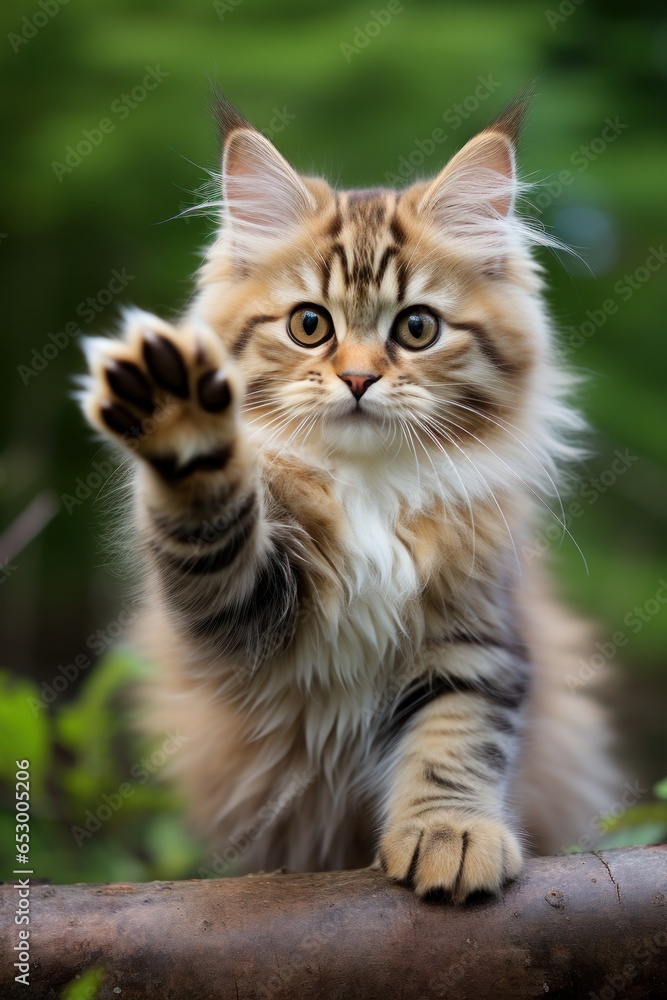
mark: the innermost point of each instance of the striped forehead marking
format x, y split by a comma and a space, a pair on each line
363, 214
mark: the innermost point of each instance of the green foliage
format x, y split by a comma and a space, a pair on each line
86, 986
354, 119
23, 735
640, 824
99, 811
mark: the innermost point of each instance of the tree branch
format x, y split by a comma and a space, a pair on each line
586, 925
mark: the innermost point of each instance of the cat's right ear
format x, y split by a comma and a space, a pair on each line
264, 199
473, 196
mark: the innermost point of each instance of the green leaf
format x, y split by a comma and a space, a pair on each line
660, 790
24, 733
173, 851
649, 812
644, 833
94, 729
86, 986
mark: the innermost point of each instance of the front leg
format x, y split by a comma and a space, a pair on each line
446, 826
171, 397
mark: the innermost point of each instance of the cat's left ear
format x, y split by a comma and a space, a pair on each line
264, 199
476, 191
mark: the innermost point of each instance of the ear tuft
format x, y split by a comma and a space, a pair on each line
264, 199
473, 197
225, 114
512, 120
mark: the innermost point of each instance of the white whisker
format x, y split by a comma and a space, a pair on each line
532, 490
488, 486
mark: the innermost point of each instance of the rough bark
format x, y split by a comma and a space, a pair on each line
578, 926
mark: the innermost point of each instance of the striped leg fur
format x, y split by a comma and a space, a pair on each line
171, 396
446, 830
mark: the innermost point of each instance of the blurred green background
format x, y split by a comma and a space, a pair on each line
354, 92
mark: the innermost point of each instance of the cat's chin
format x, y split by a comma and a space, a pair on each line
358, 433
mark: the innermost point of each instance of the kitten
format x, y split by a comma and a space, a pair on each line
339, 456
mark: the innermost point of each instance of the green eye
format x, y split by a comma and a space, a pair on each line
310, 326
416, 328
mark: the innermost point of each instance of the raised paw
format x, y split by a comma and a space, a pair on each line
450, 854
169, 395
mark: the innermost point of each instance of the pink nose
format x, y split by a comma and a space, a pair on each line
358, 382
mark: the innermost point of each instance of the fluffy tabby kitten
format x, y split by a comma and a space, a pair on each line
339, 455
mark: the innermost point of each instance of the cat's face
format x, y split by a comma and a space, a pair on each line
371, 320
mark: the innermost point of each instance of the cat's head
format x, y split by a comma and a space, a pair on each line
373, 319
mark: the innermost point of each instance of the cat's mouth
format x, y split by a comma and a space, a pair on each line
359, 415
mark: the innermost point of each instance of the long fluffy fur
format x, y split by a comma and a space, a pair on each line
336, 589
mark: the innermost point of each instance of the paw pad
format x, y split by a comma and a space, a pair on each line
121, 421
168, 392
129, 382
166, 365
213, 392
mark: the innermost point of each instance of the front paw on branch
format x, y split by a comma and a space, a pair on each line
454, 856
